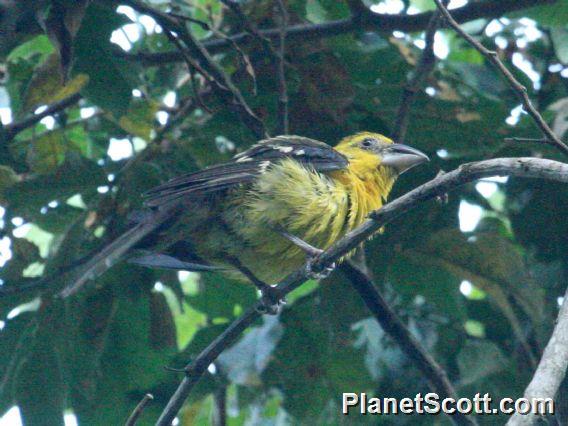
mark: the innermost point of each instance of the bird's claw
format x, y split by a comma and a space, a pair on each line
270, 302
321, 274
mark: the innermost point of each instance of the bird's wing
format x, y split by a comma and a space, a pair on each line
246, 166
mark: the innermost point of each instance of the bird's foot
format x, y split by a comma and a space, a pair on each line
319, 274
270, 301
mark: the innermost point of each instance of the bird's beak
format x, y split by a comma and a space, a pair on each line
402, 157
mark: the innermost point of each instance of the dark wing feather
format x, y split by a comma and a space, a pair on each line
164, 261
245, 167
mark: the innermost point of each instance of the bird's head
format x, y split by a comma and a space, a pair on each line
374, 151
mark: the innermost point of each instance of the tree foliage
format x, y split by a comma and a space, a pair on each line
476, 277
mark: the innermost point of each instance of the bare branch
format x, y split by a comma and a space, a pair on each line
224, 88
195, 370
220, 401
518, 88
369, 21
551, 369
249, 27
423, 69
517, 139
138, 410
277, 57
357, 8
281, 72
522, 167
394, 327
13, 129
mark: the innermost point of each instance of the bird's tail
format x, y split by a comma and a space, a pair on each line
115, 251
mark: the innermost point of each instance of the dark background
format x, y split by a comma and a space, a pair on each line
477, 277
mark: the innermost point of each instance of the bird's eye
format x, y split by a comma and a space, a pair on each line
367, 142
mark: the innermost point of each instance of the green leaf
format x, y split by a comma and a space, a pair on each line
111, 78
24, 253
8, 177
478, 360
41, 371
140, 119
56, 220
47, 152
15, 340
75, 175
412, 276
555, 14
36, 46
492, 263
118, 382
560, 38
304, 368
379, 356
219, 295
48, 86
61, 21
244, 362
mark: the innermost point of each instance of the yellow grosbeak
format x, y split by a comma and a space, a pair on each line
239, 216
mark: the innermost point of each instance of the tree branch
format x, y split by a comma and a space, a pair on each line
551, 369
220, 407
281, 72
522, 167
368, 21
395, 328
423, 69
198, 366
277, 57
11, 130
198, 57
138, 410
518, 88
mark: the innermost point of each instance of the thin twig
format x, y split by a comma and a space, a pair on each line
138, 410
225, 90
525, 140
357, 8
521, 167
518, 88
13, 129
220, 35
382, 23
250, 28
220, 401
423, 69
550, 371
277, 57
195, 370
281, 72
393, 326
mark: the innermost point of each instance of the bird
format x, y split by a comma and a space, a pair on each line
259, 216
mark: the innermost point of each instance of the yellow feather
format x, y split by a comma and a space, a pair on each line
318, 208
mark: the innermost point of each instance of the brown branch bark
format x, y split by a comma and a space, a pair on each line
220, 407
283, 128
138, 410
368, 21
394, 327
518, 88
522, 167
276, 57
550, 371
199, 58
13, 129
423, 69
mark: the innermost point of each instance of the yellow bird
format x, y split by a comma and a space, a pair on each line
254, 216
